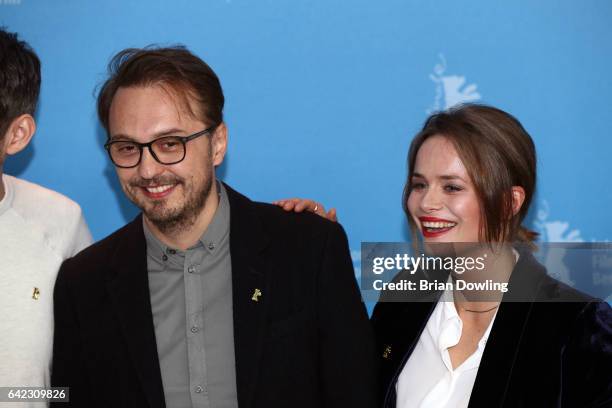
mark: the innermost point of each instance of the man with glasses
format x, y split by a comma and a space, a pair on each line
39, 228
207, 299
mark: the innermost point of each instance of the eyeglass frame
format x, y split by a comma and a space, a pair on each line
148, 145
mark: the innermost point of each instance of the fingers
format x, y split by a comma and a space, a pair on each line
331, 215
303, 204
287, 204
296, 204
308, 205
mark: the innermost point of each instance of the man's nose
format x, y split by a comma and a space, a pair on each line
148, 167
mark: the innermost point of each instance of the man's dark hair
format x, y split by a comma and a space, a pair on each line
19, 79
176, 69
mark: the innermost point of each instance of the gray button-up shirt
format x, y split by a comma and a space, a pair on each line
191, 300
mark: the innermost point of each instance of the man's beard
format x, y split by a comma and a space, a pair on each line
170, 221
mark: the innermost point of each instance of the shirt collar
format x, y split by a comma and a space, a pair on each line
219, 226
449, 326
210, 239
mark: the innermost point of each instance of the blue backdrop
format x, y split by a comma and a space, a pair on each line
324, 96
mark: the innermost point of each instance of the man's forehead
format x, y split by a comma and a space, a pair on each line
152, 97
149, 109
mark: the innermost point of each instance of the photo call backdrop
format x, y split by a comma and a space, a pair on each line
323, 97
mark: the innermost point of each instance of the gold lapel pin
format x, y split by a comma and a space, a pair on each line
256, 295
387, 353
35, 294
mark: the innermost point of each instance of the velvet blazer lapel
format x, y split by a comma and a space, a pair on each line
397, 332
398, 322
510, 326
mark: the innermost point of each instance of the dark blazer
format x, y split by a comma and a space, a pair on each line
307, 342
539, 354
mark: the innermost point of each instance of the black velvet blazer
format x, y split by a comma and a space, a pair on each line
306, 341
537, 355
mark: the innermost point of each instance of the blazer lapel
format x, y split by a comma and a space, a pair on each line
399, 319
500, 353
128, 288
249, 290
403, 327
503, 345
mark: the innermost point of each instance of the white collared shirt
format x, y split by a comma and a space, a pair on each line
428, 378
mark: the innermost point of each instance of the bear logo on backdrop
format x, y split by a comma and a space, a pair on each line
451, 90
554, 230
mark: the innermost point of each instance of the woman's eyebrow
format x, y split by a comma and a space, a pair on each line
451, 177
442, 177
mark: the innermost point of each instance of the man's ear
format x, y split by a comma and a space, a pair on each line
19, 134
219, 144
518, 198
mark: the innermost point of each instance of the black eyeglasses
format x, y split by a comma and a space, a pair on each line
165, 150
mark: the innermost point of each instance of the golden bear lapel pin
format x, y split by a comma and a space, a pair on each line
35, 294
256, 295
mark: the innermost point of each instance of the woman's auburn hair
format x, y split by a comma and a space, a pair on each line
498, 154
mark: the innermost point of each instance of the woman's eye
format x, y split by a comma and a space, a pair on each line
418, 186
451, 188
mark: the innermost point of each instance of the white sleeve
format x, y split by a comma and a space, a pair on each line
80, 237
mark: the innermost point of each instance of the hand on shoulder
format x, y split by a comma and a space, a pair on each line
303, 204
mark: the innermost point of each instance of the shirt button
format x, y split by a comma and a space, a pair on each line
164, 257
191, 269
199, 389
211, 246
171, 251
195, 329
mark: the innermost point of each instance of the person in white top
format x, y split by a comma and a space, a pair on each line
39, 228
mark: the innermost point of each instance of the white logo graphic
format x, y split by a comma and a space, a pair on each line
450, 89
554, 231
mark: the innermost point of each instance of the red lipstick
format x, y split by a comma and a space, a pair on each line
434, 232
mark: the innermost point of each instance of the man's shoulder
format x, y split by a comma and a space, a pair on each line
54, 218
102, 249
34, 201
275, 219
278, 221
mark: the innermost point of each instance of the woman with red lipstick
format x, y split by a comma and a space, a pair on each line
471, 179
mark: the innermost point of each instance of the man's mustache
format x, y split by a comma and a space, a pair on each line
156, 181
